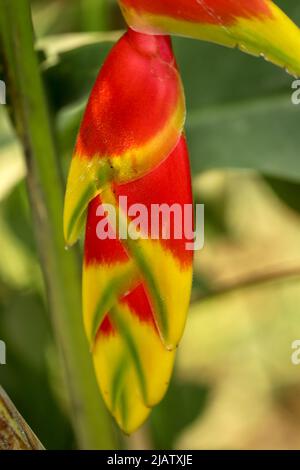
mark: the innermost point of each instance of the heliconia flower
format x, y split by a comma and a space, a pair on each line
136, 290
133, 120
258, 27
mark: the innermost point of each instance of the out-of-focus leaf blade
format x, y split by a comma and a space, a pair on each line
72, 64
261, 135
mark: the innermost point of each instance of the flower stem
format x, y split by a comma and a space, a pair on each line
61, 271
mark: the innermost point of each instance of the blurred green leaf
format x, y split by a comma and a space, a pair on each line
72, 65
262, 135
12, 167
55, 16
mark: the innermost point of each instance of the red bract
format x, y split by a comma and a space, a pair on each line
133, 120
205, 11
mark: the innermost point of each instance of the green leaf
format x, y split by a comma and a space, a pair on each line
262, 135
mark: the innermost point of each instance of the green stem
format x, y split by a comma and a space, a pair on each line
60, 268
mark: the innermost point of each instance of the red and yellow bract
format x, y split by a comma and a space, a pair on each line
135, 291
204, 11
258, 27
133, 120
136, 296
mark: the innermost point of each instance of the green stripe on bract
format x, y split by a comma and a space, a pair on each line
115, 289
132, 247
116, 315
102, 176
117, 383
124, 407
151, 285
79, 214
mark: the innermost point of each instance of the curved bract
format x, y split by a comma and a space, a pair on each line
133, 120
257, 27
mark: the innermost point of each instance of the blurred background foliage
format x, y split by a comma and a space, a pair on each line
234, 384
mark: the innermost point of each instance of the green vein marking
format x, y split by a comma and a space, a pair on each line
102, 176
116, 386
113, 290
135, 253
116, 314
146, 272
124, 407
78, 215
